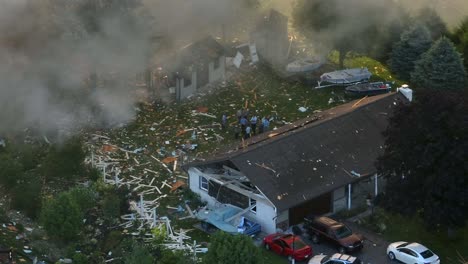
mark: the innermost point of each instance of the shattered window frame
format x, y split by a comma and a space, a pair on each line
203, 184
253, 205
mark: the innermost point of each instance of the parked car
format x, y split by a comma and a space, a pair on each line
336, 258
288, 245
333, 231
413, 253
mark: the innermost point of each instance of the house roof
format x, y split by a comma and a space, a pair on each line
310, 158
200, 52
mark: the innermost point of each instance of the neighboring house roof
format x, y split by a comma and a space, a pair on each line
310, 158
200, 52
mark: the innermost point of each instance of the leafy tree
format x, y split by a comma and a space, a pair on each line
413, 43
11, 171
111, 206
65, 161
425, 158
428, 17
139, 255
441, 67
62, 216
340, 24
28, 196
228, 249
460, 39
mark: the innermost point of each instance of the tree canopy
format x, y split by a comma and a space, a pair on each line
460, 39
413, 43
361, 25
441, 67
425, 158
62, 216
232, 249
429, 18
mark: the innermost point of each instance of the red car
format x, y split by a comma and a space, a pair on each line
288, 245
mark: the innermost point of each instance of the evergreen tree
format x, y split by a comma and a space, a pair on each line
413, 43
460, 39
433, 22
232, 249
441, 67
425, 158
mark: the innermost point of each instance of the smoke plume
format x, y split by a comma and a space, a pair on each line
52, 50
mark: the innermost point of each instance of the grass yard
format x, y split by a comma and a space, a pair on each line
380, 71
399, 228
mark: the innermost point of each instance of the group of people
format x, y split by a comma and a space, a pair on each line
247, 125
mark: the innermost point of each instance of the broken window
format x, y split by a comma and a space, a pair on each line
253, 205
203, 183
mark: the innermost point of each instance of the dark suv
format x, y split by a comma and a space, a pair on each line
333, 231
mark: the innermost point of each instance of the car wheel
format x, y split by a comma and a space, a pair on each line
315, 239
391, 255
342, 250
267, 247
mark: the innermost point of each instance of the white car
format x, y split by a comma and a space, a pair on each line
411, 253
335, 259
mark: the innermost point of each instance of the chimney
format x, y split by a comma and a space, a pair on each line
406, 91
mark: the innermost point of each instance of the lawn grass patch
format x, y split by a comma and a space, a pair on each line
412, 229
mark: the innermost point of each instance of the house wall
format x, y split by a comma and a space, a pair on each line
359, 192
265, 215
182, 90
219, 72
282, 221
339, 199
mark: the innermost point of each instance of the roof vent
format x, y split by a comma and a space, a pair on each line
406, 91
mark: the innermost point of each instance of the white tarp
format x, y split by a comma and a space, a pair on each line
238, 60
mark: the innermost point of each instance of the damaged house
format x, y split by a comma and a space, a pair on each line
320, 165
272, 38
191, 68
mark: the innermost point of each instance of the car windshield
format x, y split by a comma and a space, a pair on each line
427, 254
298, 244
403, 245
343, 231
325, 259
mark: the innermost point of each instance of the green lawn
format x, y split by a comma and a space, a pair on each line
399, 228
380, 71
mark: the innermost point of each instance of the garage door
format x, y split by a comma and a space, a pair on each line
319, 206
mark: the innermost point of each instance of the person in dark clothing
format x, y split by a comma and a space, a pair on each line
248, 130
243, 123
253, 124
260, 128
224, 121
237, 131
239, 114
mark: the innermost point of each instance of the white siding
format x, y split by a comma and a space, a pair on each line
265, 216
194, 184
218, 73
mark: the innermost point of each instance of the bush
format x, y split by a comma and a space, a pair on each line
27, 196
111, 206
62, 217
65, 161
11, 171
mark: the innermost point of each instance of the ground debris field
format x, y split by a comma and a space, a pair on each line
146, 155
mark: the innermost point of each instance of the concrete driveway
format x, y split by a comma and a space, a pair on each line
374, 251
